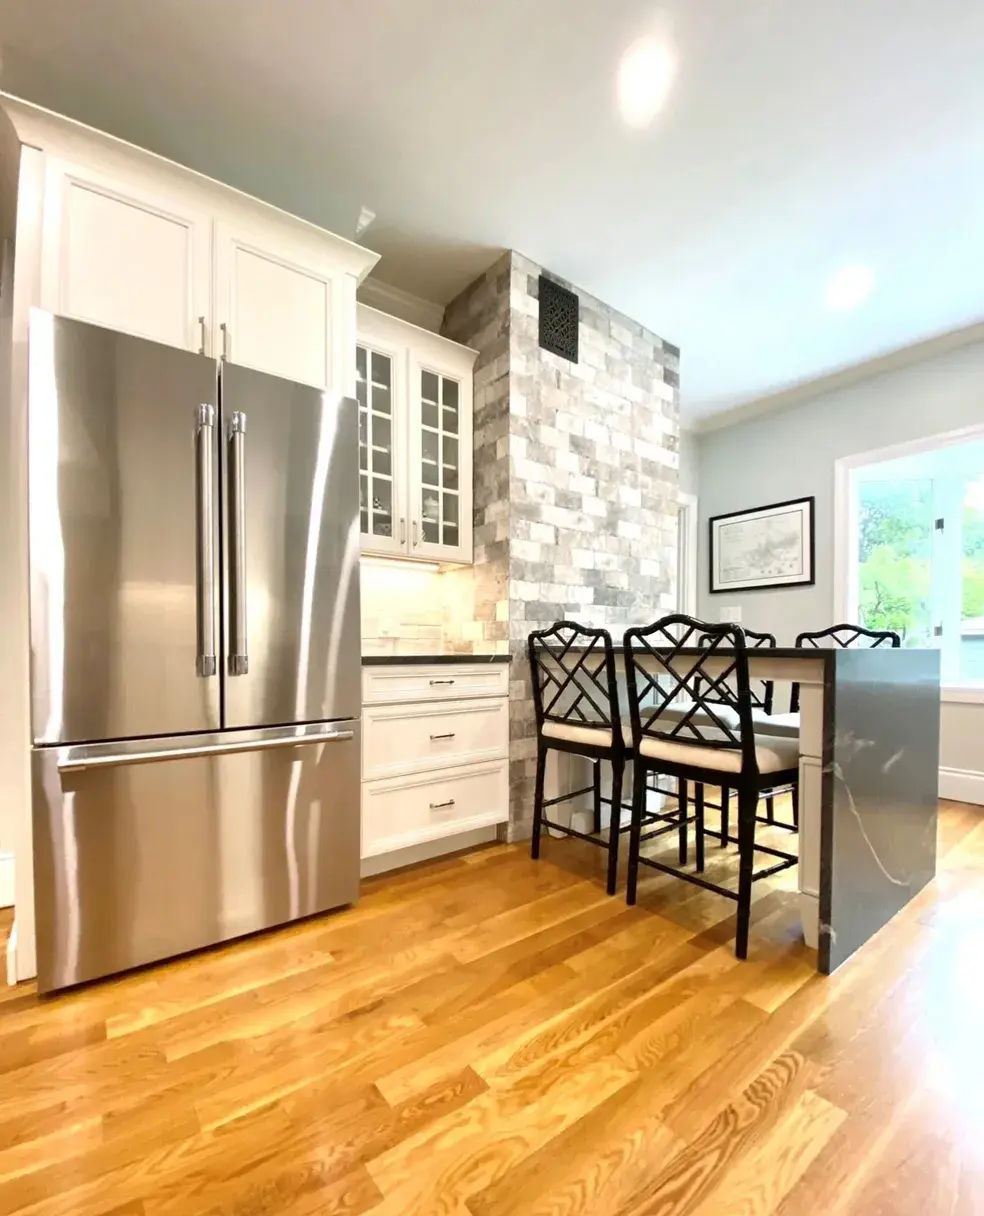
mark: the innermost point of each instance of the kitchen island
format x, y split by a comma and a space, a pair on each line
869, 784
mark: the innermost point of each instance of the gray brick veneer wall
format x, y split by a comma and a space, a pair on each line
575, 478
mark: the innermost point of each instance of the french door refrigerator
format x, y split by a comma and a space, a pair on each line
195, 642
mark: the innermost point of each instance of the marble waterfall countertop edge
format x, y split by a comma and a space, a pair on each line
420, 660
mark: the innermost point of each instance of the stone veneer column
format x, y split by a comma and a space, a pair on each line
575, 478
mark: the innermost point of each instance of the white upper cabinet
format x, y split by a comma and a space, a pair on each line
276, 307
119, 255
415, 440
138, 244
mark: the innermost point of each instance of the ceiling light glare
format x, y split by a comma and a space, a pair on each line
849, 288
645, 75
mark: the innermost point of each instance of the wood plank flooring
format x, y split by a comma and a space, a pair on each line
488, 1036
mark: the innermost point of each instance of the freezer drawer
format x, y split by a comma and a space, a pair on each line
150, 849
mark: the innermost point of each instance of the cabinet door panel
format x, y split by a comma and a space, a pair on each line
124, 258
380, 389
277, 309
440, 464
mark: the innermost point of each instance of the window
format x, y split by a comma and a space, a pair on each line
916, 550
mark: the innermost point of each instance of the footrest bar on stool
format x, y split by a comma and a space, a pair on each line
559, 827
776, 869
568, 797
670, 827
694, 878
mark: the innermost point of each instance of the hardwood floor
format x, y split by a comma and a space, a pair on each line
487, 1036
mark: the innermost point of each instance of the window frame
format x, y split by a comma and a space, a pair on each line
846, 582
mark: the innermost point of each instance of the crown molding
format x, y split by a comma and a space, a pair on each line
845, 377
384, 298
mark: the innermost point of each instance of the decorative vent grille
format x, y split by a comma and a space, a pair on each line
558, 319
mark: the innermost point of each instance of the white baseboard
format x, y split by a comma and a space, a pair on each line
6, 880
380, 863
962, 785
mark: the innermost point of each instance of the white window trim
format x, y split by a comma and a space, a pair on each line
846, 542
687, 593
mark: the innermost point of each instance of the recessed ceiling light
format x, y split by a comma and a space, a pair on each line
850, 287
645, 75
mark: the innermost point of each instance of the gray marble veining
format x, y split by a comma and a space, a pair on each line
881, 781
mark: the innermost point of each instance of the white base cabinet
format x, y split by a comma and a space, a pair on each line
435, 753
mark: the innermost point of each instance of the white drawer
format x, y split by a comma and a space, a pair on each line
410, 810
417, 738
439, 681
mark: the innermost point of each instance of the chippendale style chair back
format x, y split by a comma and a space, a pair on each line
690, 706
574, 684
846, 637
575, 698
760, 691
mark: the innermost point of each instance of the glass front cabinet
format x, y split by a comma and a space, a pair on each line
415, 440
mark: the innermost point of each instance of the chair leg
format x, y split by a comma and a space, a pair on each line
796, 807
597, 797
770, 809
699, 825
541, 770
618, 770
682, 808
639, 778
725, 817
747, 810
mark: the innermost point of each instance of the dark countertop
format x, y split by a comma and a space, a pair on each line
419, 660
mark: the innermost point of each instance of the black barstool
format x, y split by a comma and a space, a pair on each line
708, 666
575, 698
845, 637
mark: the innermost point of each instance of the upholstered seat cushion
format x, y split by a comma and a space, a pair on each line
569, 732
784, 725
772, 753
584, 732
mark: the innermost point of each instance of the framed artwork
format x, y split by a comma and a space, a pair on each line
771, 546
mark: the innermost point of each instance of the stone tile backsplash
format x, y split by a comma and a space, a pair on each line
576, 473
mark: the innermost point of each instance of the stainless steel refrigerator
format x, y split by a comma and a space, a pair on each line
195, 645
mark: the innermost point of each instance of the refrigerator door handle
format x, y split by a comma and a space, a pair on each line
238, 646
74, 760
205, 541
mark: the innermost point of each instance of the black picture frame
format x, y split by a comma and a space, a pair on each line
805, 508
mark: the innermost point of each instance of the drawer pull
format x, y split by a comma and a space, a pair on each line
450, 735
442, 681
440, 806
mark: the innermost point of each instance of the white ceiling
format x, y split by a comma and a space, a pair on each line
799, 137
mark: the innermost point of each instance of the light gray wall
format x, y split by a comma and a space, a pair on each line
791, 453
689, 456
